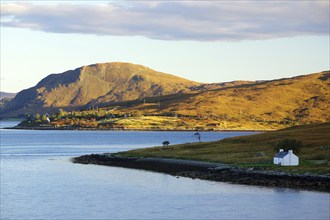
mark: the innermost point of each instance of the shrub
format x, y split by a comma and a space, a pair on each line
289, 144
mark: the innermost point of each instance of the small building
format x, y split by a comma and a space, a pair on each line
286, 158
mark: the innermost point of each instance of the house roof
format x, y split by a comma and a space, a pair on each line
281, 154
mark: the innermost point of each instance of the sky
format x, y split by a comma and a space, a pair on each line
204, 41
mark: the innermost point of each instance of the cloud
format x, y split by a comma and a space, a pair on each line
175, 20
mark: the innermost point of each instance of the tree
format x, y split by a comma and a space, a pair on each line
44, 118
38, 118
62, 112
289, 144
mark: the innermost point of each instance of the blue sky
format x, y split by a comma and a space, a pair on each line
214, 41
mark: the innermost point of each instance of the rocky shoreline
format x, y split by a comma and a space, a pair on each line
212, 171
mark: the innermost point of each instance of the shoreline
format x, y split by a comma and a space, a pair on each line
212, 171
101, 129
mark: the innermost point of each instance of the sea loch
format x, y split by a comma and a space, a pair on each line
38, 181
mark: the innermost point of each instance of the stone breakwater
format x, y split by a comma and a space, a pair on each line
212, 171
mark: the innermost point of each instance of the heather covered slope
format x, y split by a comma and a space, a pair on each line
99, 83
301, 99
135, 82
125, 89
267, 105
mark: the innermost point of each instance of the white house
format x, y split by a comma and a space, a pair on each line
286, 158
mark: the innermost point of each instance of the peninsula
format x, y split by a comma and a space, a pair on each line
242, 160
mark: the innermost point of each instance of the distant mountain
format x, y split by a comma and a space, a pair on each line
7, 95
95, 84
5, 98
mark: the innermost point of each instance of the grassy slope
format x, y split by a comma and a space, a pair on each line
95, 84
267, 105
300, 99
242, 151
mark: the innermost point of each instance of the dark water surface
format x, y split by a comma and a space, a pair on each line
38, 181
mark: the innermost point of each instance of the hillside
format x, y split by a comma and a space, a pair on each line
130, 96
297, 100
240, 105
95, 84
241, 160
255, 150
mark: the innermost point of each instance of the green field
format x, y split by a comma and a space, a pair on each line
255, 151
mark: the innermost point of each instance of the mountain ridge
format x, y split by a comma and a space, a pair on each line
297, 100
115, 81
240, 108
132, 88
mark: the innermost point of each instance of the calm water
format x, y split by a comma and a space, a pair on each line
39, 182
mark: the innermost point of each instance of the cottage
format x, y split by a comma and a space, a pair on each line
286, 158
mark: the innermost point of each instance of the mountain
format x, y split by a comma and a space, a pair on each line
301, 99
7, 95
5, 98
95, 84
132, 89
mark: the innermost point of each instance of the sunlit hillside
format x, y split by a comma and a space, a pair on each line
297, 100
254, 150
134, 97
95, 84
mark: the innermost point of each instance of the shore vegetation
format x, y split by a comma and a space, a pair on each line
254, 151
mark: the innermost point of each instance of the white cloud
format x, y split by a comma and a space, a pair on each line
175, 20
